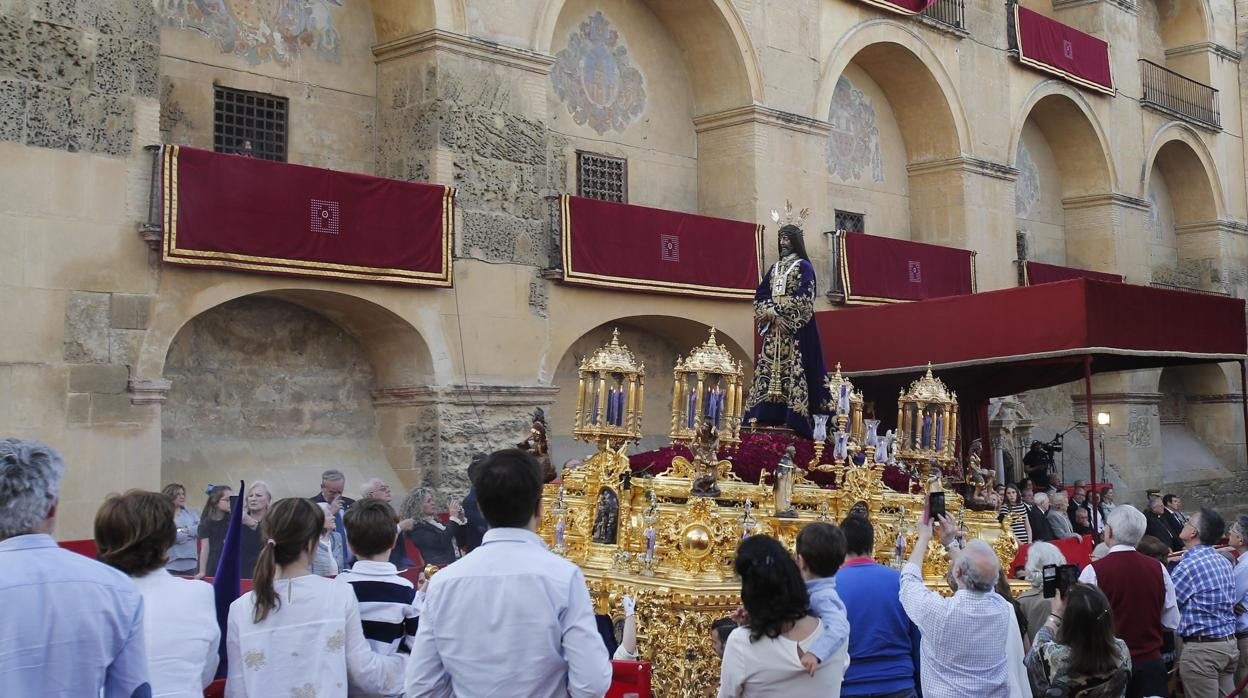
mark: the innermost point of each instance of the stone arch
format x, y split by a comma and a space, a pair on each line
657, 340
396, 350
1075, 132
1170, 24
1201, 425
282, 384
919, 89
722, 61
1178, 151
396, 19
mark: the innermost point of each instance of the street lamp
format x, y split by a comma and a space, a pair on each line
1102, 419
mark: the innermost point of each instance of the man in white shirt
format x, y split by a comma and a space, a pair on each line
509, 618
1141, 594
989, 666
72, 626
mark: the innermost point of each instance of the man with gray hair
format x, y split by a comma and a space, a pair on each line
950, 666
333, 483
72, 626
376, 488
1142, 597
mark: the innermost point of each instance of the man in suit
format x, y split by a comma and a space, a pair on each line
1058, 520
1078, 500
333, 482
1037, 513
1174, 512
1158, 526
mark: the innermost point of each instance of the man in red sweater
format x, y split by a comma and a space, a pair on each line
1141, 594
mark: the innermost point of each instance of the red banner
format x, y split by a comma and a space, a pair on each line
649, 249
880, 269
1037, 273
234, 212
1066, 52
901, 7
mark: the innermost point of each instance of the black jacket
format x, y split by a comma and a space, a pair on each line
1040, 528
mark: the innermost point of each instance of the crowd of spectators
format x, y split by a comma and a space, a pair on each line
331, 612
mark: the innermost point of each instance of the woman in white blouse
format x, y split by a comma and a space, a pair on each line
296, 633
761, 658
133, 532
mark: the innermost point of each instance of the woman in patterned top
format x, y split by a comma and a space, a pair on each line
296, 633
1016, 510
1076, 653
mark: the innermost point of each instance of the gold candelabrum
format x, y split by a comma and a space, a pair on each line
927, 428
610, 396
708, 386
654, 538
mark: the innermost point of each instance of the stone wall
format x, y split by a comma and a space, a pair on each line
263, 389
70, 72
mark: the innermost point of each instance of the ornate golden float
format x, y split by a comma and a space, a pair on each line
669, 539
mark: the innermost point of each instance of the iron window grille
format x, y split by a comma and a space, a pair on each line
250, 123
851, 222
601, 177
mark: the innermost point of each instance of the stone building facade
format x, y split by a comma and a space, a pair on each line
144, 374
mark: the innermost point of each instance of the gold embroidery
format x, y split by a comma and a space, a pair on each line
254, 659
336, 641
307, 690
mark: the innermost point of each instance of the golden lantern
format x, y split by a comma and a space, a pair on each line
927, 425
708, 385
610, 396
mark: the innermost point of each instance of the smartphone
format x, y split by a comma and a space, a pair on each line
936, 505
1067, 577
1048, 577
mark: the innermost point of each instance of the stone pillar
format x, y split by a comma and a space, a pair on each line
967, 203
1100, 234
430, 434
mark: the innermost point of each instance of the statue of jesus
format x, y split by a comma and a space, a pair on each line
788, 387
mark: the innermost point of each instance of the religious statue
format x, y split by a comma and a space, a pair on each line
650, 517
981, 478
606, 521
538, 445
706, 460
788, 387
786, 474
748, 522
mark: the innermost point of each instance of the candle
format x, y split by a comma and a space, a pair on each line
940, 430
693, 401
619, 406
594, 416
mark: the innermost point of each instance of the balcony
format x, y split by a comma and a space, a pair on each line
947, 13
1184, 98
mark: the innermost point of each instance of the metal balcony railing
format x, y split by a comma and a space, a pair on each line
1179, 96
951, 13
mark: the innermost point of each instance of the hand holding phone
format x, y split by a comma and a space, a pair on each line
936, 507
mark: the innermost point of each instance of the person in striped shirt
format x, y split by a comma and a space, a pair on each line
389, 604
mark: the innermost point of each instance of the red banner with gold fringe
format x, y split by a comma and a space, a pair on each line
901, 7
234, 212
653, 250
1057, 49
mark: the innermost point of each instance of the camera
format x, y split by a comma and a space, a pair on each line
1058, 579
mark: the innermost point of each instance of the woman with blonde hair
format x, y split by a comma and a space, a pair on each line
255, 509
328, 547
296, 633
438, 542
184, 553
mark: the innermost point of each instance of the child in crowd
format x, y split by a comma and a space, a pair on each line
297, 633
389, 604
820, 551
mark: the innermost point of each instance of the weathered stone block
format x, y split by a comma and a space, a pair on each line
124, 346
12, 110
114, 409
496, 237
13, 52
86, 328
58, 11
101, 123
130, 311
538, 297
113, 71
48, 117
78, 408
98, 378
145, 60
59, 56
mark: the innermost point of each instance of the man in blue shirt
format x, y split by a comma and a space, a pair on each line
72, 626
1205, 589
883, 643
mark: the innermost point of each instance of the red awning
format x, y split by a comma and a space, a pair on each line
1018, 339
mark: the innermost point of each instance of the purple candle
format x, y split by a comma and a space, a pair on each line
940, 430
594, 417
619, 407
693, 413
